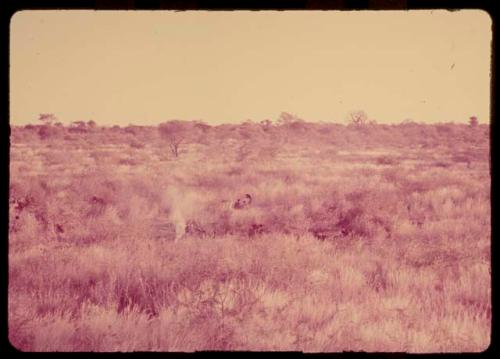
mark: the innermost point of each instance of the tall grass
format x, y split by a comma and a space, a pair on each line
342, 248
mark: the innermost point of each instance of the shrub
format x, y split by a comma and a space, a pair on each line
387, 160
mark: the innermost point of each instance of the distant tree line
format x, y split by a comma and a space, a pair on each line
359, 130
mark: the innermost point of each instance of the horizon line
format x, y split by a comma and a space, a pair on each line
256, 122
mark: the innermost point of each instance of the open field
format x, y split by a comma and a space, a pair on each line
373, 238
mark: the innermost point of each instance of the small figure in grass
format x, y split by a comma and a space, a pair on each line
243, 202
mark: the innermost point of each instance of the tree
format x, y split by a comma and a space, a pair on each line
287, 119
47, 132
47, 118
78, 127
290, 126
79, 124
202, 127
473, 121
266, 125
358, 118
174, 132
49, 129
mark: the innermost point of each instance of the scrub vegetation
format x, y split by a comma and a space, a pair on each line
358, 237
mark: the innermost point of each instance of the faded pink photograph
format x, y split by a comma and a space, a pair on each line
312, 181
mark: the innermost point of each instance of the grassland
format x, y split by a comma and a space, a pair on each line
372, 238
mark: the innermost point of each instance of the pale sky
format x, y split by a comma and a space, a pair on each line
145, 67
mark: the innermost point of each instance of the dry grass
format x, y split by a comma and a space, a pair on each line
382, 248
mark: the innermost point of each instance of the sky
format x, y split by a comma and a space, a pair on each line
147, 67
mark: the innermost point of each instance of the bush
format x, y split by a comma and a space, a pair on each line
387, 160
